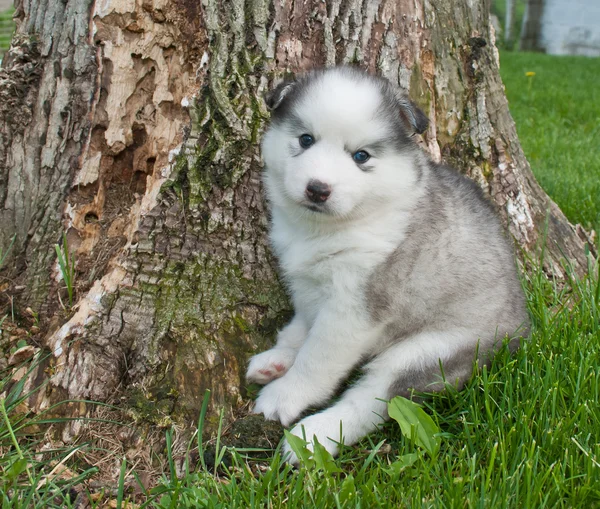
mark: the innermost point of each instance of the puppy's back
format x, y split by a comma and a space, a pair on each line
454, 269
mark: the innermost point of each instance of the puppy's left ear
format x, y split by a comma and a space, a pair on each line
275, 97
415, 120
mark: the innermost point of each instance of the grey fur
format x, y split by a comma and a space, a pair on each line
433, 378
454, 269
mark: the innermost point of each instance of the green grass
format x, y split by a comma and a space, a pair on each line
7, 27
524, 433
498, 7
557, 113
30, 480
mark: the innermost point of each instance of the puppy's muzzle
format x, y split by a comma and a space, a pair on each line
317, 191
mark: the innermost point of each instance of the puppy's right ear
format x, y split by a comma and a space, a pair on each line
415, 120
275, 97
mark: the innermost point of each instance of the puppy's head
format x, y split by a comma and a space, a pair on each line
339, 144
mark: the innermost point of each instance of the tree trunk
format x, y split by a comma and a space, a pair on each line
531, 29
134, 127
511, 11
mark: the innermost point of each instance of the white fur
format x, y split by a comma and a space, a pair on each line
343, 123
363, 406
327, 259
275, 362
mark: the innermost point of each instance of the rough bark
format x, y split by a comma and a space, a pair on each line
134, 127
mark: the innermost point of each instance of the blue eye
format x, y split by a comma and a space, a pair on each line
306, 140
361, 156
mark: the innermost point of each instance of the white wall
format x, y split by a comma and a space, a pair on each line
571, 27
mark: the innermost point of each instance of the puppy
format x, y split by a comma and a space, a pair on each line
394, 263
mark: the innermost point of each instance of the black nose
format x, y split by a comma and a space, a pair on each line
317, 191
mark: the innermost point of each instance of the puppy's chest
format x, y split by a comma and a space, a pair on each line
329, 264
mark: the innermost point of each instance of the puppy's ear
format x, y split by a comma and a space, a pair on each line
275, 97
415, 120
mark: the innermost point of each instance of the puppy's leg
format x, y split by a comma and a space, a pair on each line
338, 340
412, 364
274, 363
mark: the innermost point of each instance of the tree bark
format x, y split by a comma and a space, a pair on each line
134, 127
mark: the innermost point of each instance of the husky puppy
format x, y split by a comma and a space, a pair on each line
394, 263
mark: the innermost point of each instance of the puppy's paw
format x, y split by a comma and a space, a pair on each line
269, 365
320, 426
284, 400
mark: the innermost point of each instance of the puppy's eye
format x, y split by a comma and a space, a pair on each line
361, 156
306, 140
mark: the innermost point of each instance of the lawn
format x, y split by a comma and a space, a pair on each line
7, 27
498, 7
524, 433
557, 113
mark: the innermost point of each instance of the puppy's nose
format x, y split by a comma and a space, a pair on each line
317, 191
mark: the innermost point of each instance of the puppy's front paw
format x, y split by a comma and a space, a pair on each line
283, 400
323, 427
269, 365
